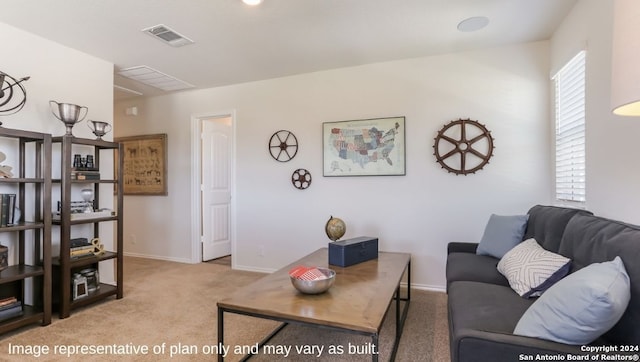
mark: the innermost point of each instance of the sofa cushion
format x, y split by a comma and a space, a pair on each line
485, 307
547, 224
589, 239
501, 234
531, 269
472, 267
581, 307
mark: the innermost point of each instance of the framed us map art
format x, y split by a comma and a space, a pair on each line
368, 147
144, 170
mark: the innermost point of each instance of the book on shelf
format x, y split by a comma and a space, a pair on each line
85, 169
7, 209
84, 247
4, 257
76, 207
7, 301
76, 242
85, 175
12, 312
11, 305
81, 253
81, 247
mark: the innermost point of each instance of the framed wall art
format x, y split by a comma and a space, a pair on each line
368, 147
144, 168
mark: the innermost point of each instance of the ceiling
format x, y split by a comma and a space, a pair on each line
236, 43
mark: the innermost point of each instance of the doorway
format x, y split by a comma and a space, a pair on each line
214, 181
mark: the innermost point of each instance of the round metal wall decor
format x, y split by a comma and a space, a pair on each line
301, 179
463, 146
283, 146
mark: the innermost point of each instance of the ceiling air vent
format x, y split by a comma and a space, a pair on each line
168, 35
154, 78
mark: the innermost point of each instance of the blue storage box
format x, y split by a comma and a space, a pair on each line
353, 251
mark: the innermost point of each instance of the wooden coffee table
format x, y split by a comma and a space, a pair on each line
356, 303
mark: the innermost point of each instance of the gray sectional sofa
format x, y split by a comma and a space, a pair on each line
484, 310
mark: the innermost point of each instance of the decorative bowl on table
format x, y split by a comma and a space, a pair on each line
312, 280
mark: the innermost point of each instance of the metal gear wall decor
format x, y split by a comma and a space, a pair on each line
283, 146
301, 179
463, 146
13, 96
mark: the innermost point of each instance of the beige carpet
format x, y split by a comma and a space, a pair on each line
171, 307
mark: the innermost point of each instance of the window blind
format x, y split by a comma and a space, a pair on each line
570, 130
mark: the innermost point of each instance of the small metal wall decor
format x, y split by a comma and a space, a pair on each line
301, 179
283, 146
463, 146
13, 96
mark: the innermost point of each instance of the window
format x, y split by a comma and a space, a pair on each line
570, 131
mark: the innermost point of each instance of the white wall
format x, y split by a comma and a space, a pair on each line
57, 73
65, 75
612, 172
505, 88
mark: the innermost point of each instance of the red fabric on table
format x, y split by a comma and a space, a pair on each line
306, 273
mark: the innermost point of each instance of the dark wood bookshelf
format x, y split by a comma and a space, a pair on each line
33, 152
64, 264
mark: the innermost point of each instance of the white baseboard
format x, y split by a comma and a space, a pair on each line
253, 269
431, 288
159, 257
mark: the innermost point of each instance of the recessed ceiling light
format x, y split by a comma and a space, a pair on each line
252, 2
473, 24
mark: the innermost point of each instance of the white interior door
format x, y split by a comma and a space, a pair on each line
216, 187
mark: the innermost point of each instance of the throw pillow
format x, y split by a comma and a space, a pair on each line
530, 269
501, 234
581, 307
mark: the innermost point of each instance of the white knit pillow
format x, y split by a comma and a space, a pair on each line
531, 269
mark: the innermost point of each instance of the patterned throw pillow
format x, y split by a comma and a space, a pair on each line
531, 269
